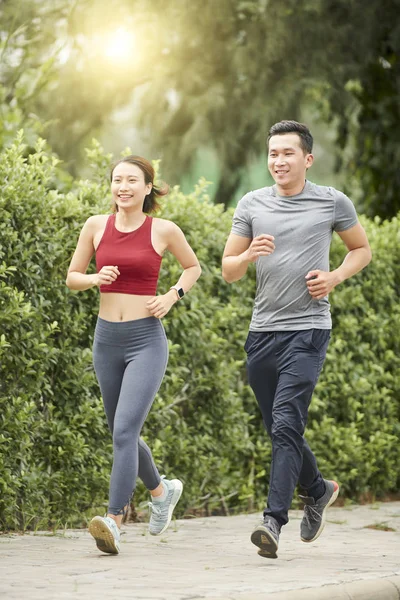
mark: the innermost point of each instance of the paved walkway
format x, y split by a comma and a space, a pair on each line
212, 559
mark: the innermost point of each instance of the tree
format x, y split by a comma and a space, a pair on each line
227, 92
29, 46
254, 62
194, 74
371, 75
217, 74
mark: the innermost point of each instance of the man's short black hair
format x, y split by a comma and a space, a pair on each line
306, 139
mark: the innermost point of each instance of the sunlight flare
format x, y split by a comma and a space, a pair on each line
119, 45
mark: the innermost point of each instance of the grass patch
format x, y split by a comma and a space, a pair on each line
380, 527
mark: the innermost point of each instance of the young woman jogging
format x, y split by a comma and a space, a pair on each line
130, 350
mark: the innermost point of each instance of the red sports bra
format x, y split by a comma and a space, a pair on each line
133, 253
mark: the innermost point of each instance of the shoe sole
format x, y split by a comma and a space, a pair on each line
265, 541
321, 527
174, 501
103, 536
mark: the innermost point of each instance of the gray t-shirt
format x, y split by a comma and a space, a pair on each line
302, 226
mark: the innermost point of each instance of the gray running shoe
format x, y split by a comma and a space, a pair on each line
106, 533
266, 537
313, 521
161, 512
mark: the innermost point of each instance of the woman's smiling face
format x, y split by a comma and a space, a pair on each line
128, 186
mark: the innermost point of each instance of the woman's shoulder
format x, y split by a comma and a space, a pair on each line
97, 221
165, 225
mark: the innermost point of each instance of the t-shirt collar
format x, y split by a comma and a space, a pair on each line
305, 189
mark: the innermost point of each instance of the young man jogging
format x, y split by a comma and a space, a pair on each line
286, 229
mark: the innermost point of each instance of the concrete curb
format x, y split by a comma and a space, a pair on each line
387, 588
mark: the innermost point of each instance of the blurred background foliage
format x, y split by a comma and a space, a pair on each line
198, 84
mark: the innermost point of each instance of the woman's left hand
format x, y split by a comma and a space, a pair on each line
159, 306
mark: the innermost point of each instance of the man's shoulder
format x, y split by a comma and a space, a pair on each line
323, 191
259, 194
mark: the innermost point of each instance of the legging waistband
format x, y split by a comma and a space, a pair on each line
120, 333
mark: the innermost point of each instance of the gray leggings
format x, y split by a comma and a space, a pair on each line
130, 358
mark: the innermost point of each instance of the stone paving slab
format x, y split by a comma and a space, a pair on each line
208, 558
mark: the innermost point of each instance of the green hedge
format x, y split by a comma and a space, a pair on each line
55, 449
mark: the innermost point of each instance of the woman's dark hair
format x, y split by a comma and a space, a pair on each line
150, 203
306, 139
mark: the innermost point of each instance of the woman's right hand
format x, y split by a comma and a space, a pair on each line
107, 275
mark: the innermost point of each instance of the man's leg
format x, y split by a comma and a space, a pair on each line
262, 372
310, 478
263, 379
297, 359
300, 356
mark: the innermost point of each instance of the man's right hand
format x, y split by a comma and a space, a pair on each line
241, 251
262, 245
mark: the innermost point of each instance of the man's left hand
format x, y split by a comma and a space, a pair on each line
320, 283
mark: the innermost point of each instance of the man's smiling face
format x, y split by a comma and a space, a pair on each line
287, 161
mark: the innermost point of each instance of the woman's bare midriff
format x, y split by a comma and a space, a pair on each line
123, 307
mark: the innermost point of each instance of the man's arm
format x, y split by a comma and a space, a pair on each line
241, 251
359, 255
320, 283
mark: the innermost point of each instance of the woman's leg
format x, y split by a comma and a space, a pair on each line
137, 353
145, 350
148, 471
109, 366
141, 381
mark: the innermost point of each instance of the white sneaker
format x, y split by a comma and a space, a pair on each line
106, 533
161, 512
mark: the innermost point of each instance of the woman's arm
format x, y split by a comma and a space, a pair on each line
76, 277
177, 244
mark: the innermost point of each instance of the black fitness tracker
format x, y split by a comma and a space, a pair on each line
178, 290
